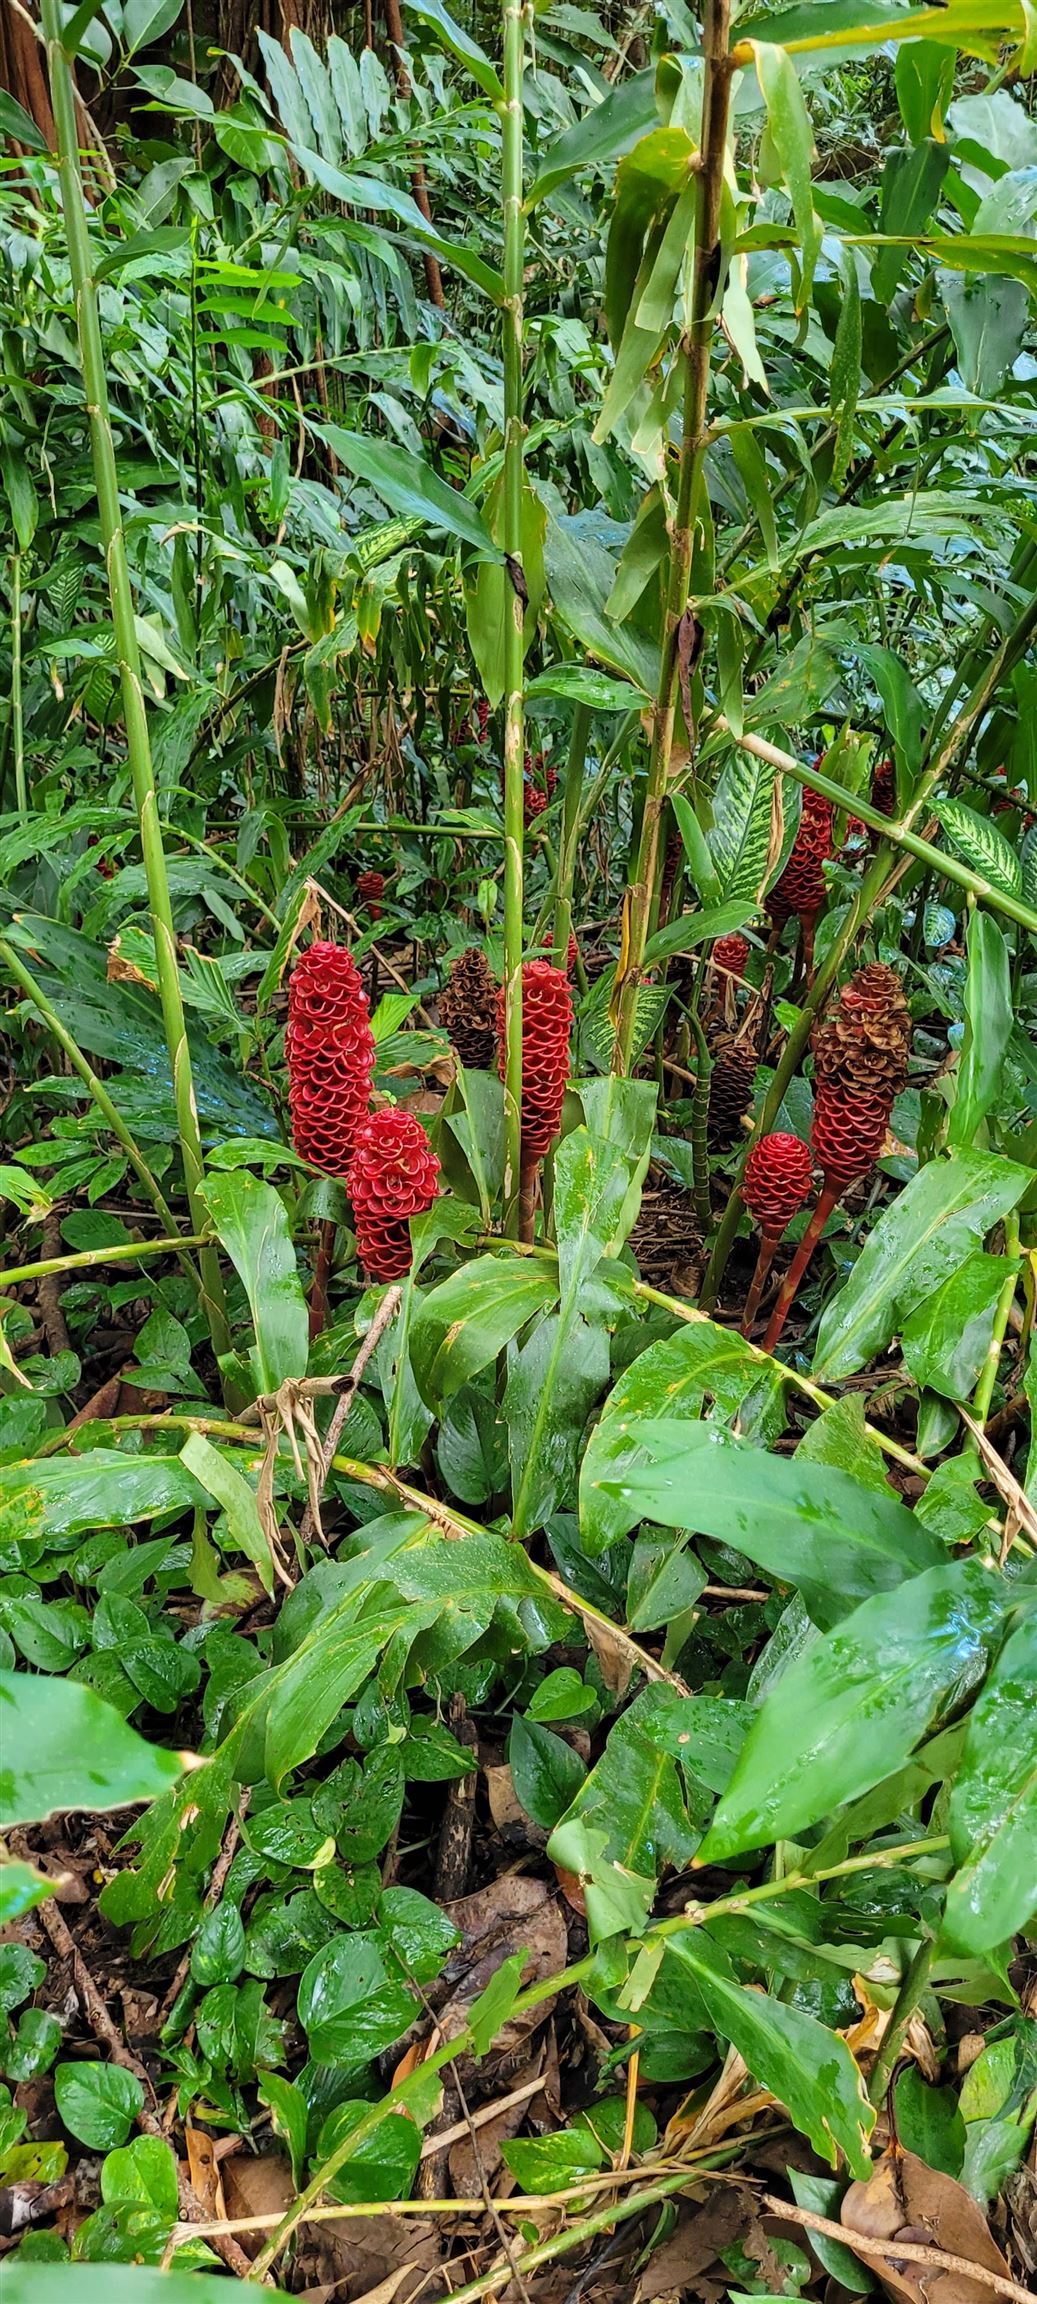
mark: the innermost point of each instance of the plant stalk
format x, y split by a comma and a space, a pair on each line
769, 1244
827, 1199
572, 795
716, 99
21, 794
514, 583
138, 743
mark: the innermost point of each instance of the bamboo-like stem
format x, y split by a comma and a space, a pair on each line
827, 1199
110, 1112
21, 794
716, 98
769, 1244
138, 743
321, 1277
572, 795
914, 1984
984, 1391
84, 1258
512, 142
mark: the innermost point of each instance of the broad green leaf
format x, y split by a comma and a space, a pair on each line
980, 845
633, 1797
911, 181
988, 318
849, 1709
554, 1381
546, 1772
55, 1496
603, 134
464, 1323
943, 1212
580, 684
98, 2103
580, 573
18, 125
384, 2163
694, 928
232, 1492
835, 1539
352, 2005
253, 1226
993, 1809
946, 1340
740, 836
792, 140
410, 486
591, 1182
677, 1373
808, 2068
460, 44
924, 82
20, 1888
704, 876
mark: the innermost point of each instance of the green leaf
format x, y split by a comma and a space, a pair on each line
30, 2282
409, 486
143, 2172
63, 1748
924, 81
554, 1381
740, 839
993, 1808
792, 139
20, 1890
552, 2163
351, 2006
251, 1221
929, 2122
604, 133
694, 928
989, 1019
546, 1772
464, 1323
919, 1239
580, 684
218, 1951
384, 2163
633, 1798
68, 1496
19, 125
911, 181
848, 1710
988, 319
459, 43
808, 2068
213, 1468
591, 1182
696, 849
835, 1539
98, 2103
981, 845
580, 573
945, 1341
679, 1371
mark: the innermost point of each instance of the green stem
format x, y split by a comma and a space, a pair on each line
716, 98
16, 967
984, 1391
138, 743
21, 794
514, 617
84, 1258
572, 796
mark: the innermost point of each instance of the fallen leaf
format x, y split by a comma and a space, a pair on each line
204, 2172
512, 1914
905, 2197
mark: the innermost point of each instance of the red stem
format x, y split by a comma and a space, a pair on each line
768, 1244
529, 1173
828, 1199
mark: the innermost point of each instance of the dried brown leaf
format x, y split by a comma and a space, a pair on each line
905, 2198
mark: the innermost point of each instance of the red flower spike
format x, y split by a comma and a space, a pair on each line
571, 957
777, 1181
370, 888
331, 1056
884, 788
392, 1176
848, 1133
547, 1014
801, 888
729, 955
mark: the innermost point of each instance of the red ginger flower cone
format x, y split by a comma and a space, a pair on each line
370, 888
331, 1056
777, 1181
729, 955
801, 888
848, 1134
393, 1175
547, 1014
572, 956
884, 787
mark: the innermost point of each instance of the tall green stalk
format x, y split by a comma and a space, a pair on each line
514, 631
21, 794
572, 795
716, 100
138, 744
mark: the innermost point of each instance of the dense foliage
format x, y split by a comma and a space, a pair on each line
518, 624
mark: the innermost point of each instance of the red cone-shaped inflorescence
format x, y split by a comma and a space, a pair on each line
393, 1175
848, 1133
547, 1014
482, 718
370, 888
730, 954
330, 1051
777, 1180
571, 957
884, 787
801, 888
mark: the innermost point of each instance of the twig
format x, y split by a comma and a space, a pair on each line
385, 1314
108, 2035
463, 2128
908, 2251
379, 951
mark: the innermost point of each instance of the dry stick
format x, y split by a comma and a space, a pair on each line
895, 2251
107, 2035
828, 1199
386, 1313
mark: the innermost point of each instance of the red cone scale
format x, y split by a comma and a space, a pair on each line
547, 1014
393, 1175
848, 1133
331, 1055
370, 888
571, 957
730, 954
884, 787
777, 1181
801, 888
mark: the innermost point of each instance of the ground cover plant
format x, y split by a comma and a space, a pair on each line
518, 887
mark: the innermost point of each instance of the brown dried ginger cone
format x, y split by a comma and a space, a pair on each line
730, 1084
863, 1044
468, 1010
